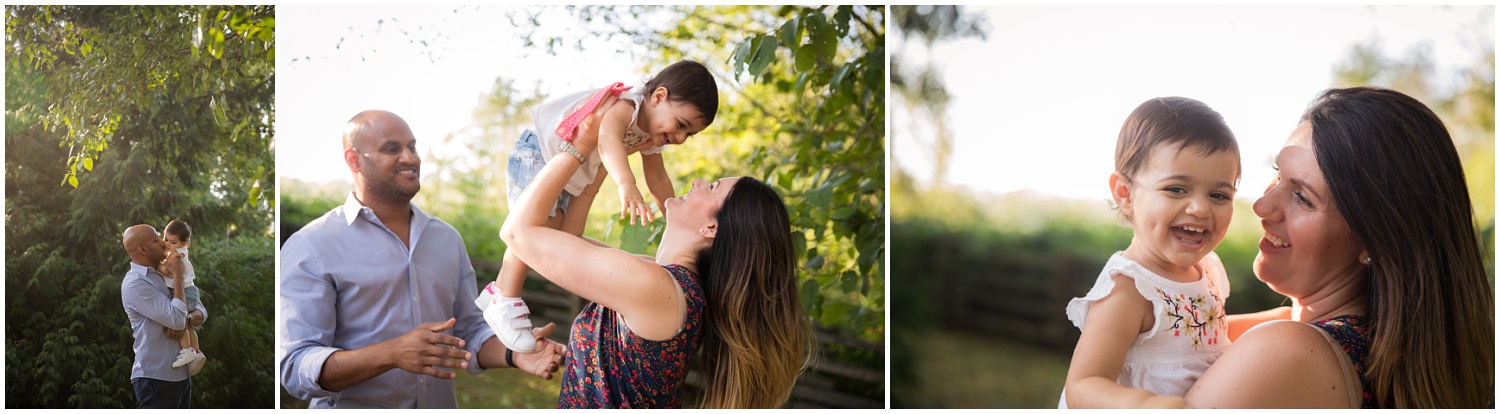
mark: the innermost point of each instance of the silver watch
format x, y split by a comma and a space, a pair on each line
567, 147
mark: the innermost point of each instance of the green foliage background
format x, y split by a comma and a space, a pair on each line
116, 116
802, 107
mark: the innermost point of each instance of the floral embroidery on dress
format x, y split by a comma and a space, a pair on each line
1199, 316
634, 135
633, 138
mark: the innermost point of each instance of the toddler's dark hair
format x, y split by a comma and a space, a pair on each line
690, 82
1171, 121
180, 229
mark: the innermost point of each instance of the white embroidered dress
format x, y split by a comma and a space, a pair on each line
1190, 331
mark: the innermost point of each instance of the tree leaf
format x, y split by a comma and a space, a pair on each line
837, 82
809, 294
849, 281
634, 238
815, 263
741, 53
844, 212
841, 19
791, 34
824, 39
806, 59
764, 54
254, 196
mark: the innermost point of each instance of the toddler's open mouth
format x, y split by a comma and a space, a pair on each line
1190, 236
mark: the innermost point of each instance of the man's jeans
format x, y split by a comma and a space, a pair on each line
155, 393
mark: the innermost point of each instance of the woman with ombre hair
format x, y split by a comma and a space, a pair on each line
723, 279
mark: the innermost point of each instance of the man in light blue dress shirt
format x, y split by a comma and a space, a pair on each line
371, 291
157, 319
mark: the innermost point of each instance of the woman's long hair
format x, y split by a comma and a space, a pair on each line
1395, 176
758, 338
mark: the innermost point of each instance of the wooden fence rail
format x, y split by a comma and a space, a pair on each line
1015, 296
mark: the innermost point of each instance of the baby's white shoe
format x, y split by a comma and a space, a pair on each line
511, 321
197, 363
184, 357
486, 296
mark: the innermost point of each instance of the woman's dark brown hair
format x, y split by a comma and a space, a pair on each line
757, 337
1396, 178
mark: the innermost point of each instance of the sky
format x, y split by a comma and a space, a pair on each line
1038, 105
333, 62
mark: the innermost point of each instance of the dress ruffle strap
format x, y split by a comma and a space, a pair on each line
570, 123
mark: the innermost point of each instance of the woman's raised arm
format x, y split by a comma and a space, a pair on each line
610, 277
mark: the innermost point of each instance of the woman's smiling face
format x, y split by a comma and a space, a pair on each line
1307, 242
698, 206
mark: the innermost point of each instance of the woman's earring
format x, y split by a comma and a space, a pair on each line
1365, 259
702, 232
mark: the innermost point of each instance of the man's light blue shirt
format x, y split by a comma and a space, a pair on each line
348, 282
151, 309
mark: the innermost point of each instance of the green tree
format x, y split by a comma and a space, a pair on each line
143, 121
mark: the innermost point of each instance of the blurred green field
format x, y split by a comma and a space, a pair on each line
964, 370
505, 388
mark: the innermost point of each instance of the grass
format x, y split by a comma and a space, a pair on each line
960, 370
505, 388
496, 388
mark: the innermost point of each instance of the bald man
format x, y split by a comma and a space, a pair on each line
377, 295
157, 319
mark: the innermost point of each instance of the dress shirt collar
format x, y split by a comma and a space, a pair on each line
143, 270
353, 209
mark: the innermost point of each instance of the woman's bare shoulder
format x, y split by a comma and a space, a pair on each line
1282, 364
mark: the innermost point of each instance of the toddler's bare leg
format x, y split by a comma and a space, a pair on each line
186, 340
512, 273
513, 270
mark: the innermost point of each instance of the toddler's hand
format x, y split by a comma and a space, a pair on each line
634, 206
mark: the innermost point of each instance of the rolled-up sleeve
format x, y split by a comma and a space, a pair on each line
140, 296
307, 298
470, 324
